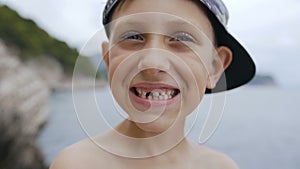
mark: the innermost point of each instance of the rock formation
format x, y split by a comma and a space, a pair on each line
23, 110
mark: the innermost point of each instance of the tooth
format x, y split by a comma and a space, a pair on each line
170, 97
172, 92
163, 93
144, 93
143, 97
156, 94
166, 97
161, 97
139, 91
150, 97
155, 98
169, 92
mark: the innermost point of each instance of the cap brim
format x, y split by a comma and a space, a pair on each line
242, 68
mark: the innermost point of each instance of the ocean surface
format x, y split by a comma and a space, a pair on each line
260, 128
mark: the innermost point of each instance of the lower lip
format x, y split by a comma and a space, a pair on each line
157, 103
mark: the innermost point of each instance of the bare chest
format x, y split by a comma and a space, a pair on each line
148, 164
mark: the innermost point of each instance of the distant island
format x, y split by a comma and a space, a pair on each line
263, 80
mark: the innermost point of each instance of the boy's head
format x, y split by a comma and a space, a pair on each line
242, 68
162, 56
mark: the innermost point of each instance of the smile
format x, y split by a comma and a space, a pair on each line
155, 94
146, 93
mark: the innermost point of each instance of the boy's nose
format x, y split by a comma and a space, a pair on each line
154, 61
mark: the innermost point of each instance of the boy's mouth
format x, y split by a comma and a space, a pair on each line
155, 93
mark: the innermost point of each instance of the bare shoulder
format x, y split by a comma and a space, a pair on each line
214, 159
79, 156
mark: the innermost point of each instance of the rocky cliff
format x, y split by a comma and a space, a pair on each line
23, 110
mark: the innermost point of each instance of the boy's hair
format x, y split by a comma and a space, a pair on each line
242, 68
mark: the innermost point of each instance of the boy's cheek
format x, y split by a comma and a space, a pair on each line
112, 70
197, 80
115, 59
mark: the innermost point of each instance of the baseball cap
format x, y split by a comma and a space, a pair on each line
242, 68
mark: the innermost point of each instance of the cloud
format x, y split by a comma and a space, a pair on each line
68, 20
269, 29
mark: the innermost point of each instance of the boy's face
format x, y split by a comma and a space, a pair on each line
161, 59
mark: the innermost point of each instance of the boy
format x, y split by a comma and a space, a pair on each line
162, 57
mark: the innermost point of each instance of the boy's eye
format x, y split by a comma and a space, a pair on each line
132, 36
182, 37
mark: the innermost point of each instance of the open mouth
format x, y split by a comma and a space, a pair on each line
155, 94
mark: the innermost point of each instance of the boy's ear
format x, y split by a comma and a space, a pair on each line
105, 53
220, 63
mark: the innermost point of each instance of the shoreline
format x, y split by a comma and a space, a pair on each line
69, 84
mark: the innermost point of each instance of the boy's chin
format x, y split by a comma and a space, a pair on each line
156, 127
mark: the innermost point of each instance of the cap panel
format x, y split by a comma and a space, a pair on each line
110, 5
219, 9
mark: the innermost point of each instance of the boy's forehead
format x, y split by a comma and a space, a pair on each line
167, 12
154, 22
150, 18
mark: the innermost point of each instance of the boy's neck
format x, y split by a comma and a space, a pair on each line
142, 145
130, 129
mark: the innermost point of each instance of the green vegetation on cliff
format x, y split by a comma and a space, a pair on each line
32, 41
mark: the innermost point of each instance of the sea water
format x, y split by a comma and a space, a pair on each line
259, 129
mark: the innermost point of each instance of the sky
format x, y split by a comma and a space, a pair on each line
268, 29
